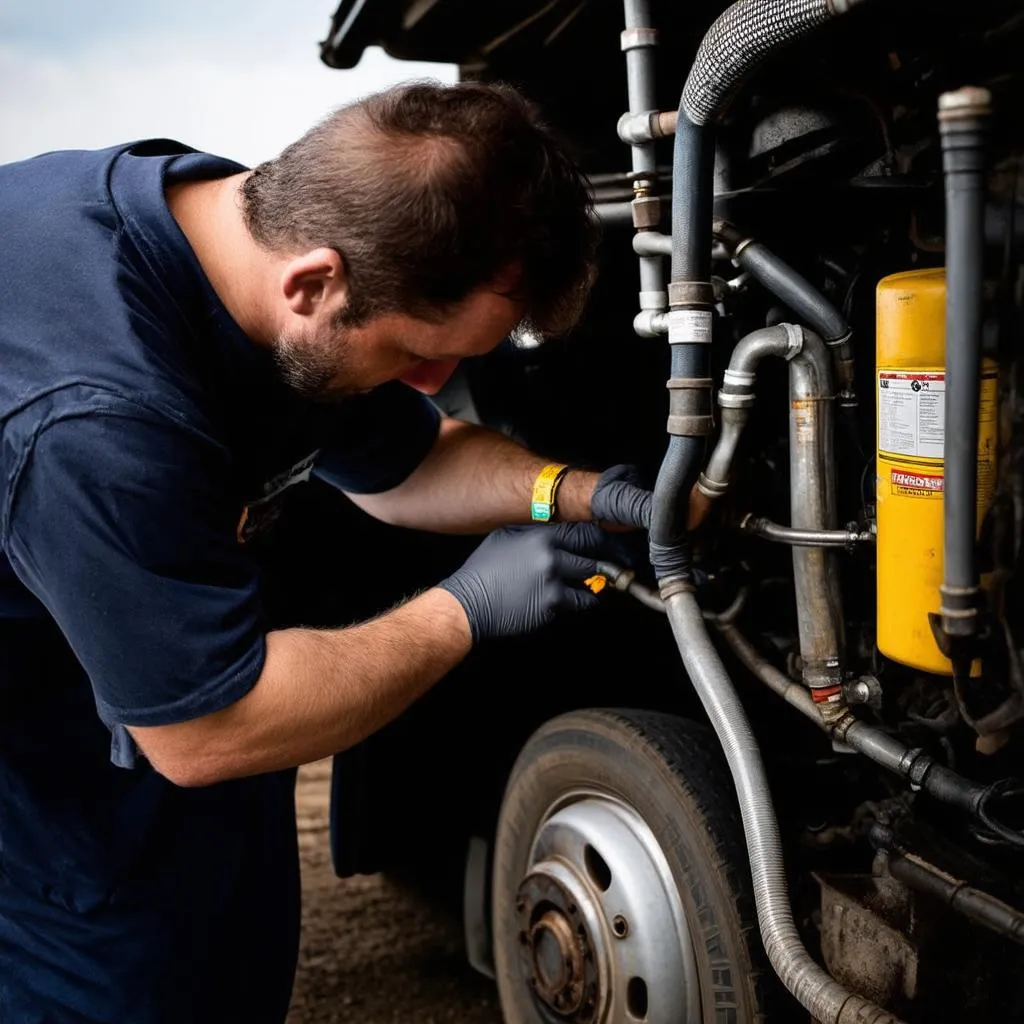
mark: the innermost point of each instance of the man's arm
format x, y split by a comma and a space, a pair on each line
475, 480
320, 692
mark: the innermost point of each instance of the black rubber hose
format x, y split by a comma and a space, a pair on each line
692, 181
693, 170
963, 124
793, 290
669, 552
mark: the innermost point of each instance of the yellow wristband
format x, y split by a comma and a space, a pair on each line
542, 502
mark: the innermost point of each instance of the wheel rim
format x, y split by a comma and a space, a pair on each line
602, 931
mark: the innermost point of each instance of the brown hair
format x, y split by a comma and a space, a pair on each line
429, 191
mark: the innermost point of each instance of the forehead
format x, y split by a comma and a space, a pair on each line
475, 325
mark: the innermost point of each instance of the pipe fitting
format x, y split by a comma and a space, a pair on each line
689, 405
652, 243
650, 323
638, 128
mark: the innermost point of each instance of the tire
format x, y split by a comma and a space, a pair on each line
620, 887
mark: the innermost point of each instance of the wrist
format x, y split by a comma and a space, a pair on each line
575, 494
450, 616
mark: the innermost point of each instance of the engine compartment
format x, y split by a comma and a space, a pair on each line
829, 211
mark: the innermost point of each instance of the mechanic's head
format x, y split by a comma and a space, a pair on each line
420, 225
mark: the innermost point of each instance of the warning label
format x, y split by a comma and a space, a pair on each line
915, 485
911, 414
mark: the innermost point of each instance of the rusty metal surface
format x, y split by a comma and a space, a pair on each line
863, 940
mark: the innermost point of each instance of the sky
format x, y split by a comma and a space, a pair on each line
240, 78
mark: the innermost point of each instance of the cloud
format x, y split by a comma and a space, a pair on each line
241, 95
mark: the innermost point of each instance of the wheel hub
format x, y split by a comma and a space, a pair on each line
556, 955
603, 937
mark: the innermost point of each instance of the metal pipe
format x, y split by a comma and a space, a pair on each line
974, 904
812, 490
625, 580
737, 397
638, 41
615, 215
792, 693
813, 507
821, 995
799, 295
805, 538
963, 126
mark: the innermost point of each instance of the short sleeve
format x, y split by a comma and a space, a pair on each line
377, 440
123, 525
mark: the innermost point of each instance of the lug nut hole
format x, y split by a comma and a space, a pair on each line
620, 926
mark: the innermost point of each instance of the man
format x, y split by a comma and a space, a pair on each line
176, 332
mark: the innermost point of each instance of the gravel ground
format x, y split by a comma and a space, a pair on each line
370, 951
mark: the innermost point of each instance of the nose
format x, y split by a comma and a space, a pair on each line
430, 376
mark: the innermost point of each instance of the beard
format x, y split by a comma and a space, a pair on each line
314, 368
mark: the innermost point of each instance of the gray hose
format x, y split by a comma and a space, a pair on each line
799, 295
963, 124
827, 1000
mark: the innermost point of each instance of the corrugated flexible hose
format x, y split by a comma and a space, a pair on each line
827, 1000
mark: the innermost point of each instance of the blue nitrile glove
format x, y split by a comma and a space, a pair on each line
522, 576
620, 500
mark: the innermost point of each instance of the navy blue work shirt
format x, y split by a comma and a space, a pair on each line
143, 439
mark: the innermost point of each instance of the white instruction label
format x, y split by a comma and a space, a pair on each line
689, 326
911, 413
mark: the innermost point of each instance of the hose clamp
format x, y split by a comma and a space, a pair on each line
734, 400
635, 38
839, 342
739, 378
699, 294
673, 585
711, 488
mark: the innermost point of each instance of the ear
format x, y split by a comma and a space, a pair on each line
313, 280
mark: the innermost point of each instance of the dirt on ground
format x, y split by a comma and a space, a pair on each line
372, 952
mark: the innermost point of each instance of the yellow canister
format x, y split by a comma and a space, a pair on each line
910, 392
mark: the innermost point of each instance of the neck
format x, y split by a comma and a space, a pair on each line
209, 214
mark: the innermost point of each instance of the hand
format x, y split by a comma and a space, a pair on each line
619, 500
522, 576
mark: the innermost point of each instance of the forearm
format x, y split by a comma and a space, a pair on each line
475, 480
320, 692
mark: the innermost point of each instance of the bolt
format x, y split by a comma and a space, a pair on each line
620, 926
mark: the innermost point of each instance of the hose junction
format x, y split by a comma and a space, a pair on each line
819, 353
